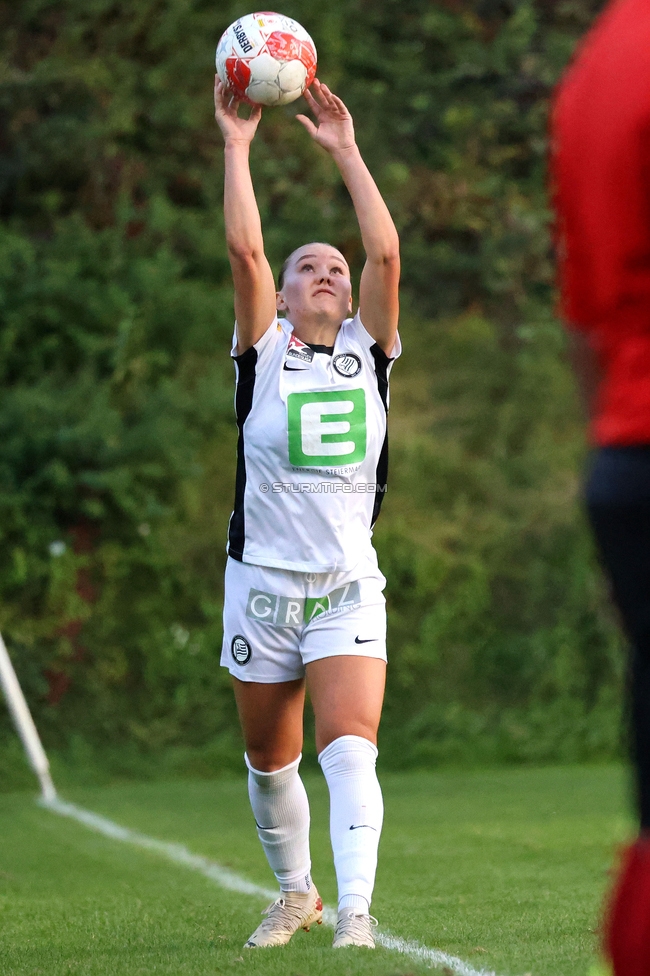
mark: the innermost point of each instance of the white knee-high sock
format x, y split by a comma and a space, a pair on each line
356, 816
281, 811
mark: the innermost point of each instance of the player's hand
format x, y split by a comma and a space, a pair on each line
226, 109
335, 129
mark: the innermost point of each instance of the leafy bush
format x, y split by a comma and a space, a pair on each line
116, 428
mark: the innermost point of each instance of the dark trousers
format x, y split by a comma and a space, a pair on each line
618, 502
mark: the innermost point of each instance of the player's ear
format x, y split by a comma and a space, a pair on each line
280, 303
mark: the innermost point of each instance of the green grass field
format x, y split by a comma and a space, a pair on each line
503, 868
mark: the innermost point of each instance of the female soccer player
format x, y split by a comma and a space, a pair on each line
304, 602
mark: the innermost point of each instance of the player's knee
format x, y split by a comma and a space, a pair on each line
330, 732
349, 755
268, 760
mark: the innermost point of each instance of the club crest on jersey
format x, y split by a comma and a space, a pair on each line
240, 649
347, 364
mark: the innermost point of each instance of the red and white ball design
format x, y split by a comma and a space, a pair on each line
266, 59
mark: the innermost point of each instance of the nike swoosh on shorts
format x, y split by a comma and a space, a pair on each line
368, 640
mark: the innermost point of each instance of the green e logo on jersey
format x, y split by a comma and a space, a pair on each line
327, 429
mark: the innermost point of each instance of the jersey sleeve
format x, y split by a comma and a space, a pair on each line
265, 344
366, 340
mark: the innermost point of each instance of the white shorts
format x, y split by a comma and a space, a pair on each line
275, 621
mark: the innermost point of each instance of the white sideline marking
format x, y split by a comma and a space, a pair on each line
233, 882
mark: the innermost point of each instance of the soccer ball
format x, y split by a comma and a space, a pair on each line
266, 59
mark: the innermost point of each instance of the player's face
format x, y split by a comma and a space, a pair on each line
316, 282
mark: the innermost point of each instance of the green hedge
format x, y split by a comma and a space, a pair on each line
116, 426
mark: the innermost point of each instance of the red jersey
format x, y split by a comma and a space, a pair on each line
600, 179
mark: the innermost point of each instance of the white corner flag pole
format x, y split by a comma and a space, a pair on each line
25, 724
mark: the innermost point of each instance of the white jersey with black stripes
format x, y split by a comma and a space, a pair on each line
312, 454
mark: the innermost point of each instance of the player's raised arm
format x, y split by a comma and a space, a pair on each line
378, 292
252, 275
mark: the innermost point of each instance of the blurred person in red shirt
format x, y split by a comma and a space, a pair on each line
600, 180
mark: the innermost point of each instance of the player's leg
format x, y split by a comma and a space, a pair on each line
618, 499
347, 695
618, 502
270, 691
271, 719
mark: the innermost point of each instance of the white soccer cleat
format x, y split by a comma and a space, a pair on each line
293, 910
354, 930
